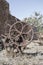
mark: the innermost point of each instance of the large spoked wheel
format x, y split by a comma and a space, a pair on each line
19, 31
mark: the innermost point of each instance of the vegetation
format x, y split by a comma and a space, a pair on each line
36, 20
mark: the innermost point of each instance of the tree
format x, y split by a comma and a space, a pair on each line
35, 20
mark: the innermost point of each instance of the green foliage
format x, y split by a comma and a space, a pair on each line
35, 20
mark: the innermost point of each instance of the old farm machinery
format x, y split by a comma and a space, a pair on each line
20, 35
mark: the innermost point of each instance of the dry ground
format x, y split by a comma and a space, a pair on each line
33, 55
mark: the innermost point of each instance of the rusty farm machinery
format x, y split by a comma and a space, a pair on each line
19, 34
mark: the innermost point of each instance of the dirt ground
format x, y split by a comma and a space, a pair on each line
32, 55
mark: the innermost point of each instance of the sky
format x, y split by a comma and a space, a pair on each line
25, 8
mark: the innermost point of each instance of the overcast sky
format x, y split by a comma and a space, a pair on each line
25, 8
